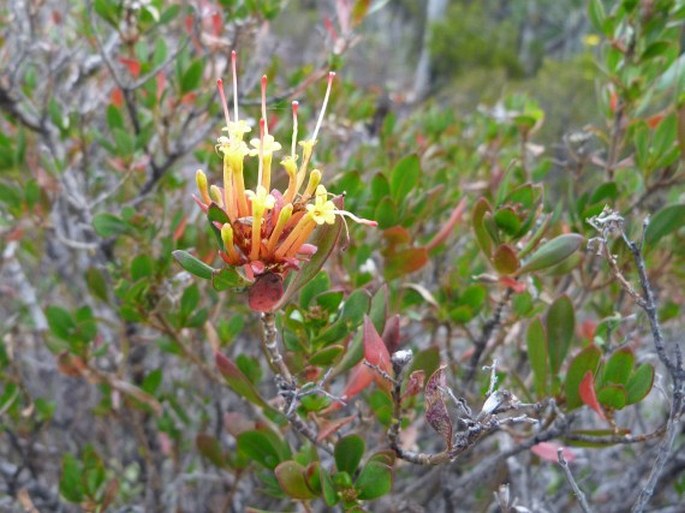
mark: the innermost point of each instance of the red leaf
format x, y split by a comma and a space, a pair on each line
396, 235
655, 120
375, 351
328, 427
391, 333
436, 410
414, 383
588, 395
265, 292
117, 98
512, 283
181, 228
360, 378
447, 228
217, 23
587, 329
548, 451
133, 65
160, 80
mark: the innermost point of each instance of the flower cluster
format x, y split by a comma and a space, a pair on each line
266, 230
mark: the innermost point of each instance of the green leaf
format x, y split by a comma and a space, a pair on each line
227, 278
318, 285
193, 265
560, 329
263, 447
597, 15
552, 252
216, 213
585, 361
237, 381
96, 283
189, 300
348, 453
404, 177
114, 118
656, 49
538, 356
142, 266
326, 356
482, 237
639, 384
664, 222
374, 481
330, 496
192, 77
507, 221
617, 370
70, 485
152, 381
290, 475
385, 213
169, 14
61, 323
505, 259
612, 396
109, 225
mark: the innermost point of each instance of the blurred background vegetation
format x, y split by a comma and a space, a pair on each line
110, 396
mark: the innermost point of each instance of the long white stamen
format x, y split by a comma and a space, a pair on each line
224, 104
234, 67
331, 76
293, 150
266, 125
345, 213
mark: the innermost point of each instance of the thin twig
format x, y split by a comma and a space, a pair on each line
582, 500
286, 383
488, 329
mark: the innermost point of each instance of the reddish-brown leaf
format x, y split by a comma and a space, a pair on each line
414, 383
588, 395
391, 333
447, 228
437, 415
328, 427
375, 351
405, 262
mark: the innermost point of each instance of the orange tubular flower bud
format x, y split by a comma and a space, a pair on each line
302, 230
283, 218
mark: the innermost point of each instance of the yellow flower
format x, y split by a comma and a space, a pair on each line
237, 129
261, 200
270, 147
323, 210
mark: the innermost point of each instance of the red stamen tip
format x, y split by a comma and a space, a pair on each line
296, 105
219, 82
264, 79
233, 55
331, 75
